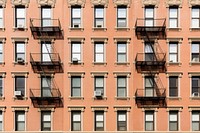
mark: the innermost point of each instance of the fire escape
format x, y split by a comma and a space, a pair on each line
46, 63
151, 63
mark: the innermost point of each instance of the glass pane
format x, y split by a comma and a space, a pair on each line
99, 47
195, 57
149, 82
121, 23
20, 81
173, 13
99, 12
76, 56
195, 23
195, 126
1, 12
121, 82
173, 117
46, 12
76, 81
46, 117
121, 48
149, 92
149, 126
1, 117
76, 126
173, 57
1, 23
46, 57
20, 13
46, 48
148, 48
149, 13
1, 47
173, 126
20, 23
46, 22
76, 92
99, 23
76, 117
121, 13
76, 47
149, 117
99, 58
121, 92
20, 126
195, 13
99, 124
1, 126
173, 48
173, 23
122, 117
149, 22
76, 12
99, 117
76, 22
173, 81
20, 47
46, 82
121, 58
195, 117
46, 92
99, 82
47, 124
21, 117
195, 48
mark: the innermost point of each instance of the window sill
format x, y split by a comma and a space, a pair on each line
194, 98
122, 28
195, 29
99, 63
194, 63
2, 98
76, 28
174, 63
174, 98
99, 98
20, 98
76, 98
122, 98
2, 29
20, 29
99, 28
174, 29
76, 63
122, 63
21, 63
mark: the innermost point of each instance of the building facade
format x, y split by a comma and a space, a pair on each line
57, 73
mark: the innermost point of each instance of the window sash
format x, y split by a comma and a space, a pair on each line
122, 52
173, 17
121, 86
195, 17
20, 16
173, 121
46, 121
149, 16
19, 121
149, 121
19, 50
195, 121
195, 85
99, 52
121, 121
75, 86
121, 17
99, 121
173, 86
76, 16
20, 84
76, 51
76, 121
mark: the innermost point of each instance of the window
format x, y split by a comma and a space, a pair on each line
46, 86
76, 51
121, 121
195, 52
20, 17
76, 17
1, 18
46, 16
19, 85
1, 52
19, 51
46, 52
99, 17
76, 86
121, 86
19, 120
99, 52
121, 52
99, 121
45, 121
76, 121
173, 17
1, 121
195, 120
195, 86
149, 16
173, 52
149, 120
99, 84
121, 16
173, 86
149, 86
173, 120
149, 52
1, 86
195, 17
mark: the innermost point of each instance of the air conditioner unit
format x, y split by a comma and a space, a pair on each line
75, 60
18, 93
195, 94
20, 60
76, 25
99, 26
98, 93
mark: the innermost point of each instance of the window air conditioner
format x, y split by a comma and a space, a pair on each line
98, 93
20, 60
76, 25
99, 26
195, 94
18, 93
74, 60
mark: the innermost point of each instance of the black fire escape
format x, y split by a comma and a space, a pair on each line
151, 63
46, 63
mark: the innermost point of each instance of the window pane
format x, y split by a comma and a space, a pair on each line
173, 23
99, 117
173, 48
195, 126
195, 48
149, 126
121, 58
149, 13
195, 13
122, 117
121, 82
1, 47
1, 12
20, 47
173, 57
149, 117
148, 48
46, 13
173, 126
46, 117
76, 12
99, 13
20, 13
121, 23
121, 92
149, 22
99, 82
99, 47
76, 92
195, 117
173, 117
76, 126
173, 12
121, 13
195, 23
149, 82
121, 48
76, 117
76, 47
76, 81
99, 58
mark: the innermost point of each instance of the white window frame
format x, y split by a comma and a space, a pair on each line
196, 111
126, 119
95, 120
72, 86
42, 121
72, 25
96, 52
46, 18
17, 121
151, 18
197, 18
76, 52
195, 60
96, 18
125, 87
154, 119
171, 119
2, 16
123, 18
174, 17
73, 121
15, 26
174, 53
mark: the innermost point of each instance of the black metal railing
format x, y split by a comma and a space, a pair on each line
45, 57
150, 57
142, 22
47, 93
151, 92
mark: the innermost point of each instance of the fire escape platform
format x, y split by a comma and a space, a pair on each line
53, 99
52, 31
156, 31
